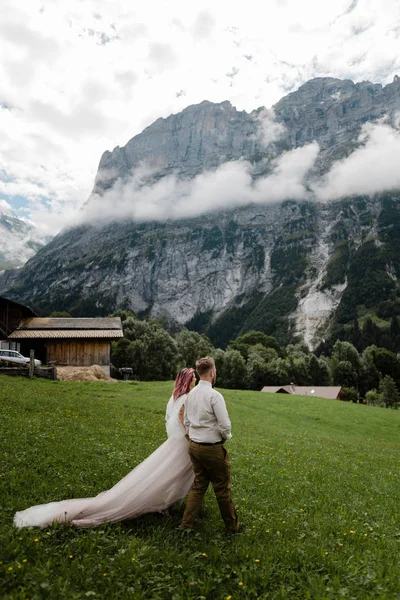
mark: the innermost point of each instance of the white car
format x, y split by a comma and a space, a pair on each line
12, 356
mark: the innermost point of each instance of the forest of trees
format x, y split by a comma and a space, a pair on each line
255, 359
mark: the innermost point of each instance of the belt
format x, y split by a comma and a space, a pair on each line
207, 443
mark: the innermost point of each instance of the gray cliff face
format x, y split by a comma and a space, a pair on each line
283, 268
332, 111
200, 138
204, 136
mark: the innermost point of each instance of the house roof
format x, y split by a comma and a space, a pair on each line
64, 328
329, 391
70, 323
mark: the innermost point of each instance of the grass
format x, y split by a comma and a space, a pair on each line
316, 483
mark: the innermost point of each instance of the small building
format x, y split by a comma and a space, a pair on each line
11, 315
333, 392
69, 342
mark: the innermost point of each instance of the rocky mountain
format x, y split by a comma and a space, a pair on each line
19, 240
291, 268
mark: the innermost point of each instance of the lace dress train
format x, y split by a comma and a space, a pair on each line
162, 479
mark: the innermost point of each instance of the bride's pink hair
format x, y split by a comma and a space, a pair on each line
182, 382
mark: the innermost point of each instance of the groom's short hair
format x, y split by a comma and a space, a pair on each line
204, 365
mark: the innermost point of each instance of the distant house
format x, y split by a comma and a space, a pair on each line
330, 391
68, 341
11, 315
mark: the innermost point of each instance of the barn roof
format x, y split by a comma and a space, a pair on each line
328, 391
66, 334
67, 328
71, 323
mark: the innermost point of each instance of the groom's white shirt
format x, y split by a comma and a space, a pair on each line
206, 418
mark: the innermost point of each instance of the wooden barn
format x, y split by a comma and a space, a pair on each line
68, 341
11, 315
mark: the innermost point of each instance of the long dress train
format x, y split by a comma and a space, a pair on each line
162, 479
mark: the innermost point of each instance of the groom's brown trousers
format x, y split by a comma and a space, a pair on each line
210, 464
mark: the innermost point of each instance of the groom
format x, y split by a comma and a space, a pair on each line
208, 425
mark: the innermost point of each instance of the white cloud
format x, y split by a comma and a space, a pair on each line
371, 168
269, 130
83, 77
203, 26
228, 186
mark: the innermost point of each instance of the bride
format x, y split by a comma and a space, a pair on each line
162, 479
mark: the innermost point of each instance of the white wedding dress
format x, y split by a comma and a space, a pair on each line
162, 479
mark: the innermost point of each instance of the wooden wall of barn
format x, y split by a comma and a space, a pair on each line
82, 353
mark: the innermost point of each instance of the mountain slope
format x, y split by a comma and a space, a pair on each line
286, 268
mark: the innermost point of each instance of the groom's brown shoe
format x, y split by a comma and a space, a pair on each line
239, 529
185, 529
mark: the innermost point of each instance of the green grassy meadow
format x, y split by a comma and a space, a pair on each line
316, 482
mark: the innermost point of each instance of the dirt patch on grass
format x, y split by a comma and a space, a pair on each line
93, 373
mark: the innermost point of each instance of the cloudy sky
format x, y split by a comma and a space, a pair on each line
83, 76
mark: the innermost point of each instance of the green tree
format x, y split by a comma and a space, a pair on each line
277, 373
119, 353
369, 374
148, 349
344, 374
344, 351
234, 370
297, 369
373, 398
123, 315
256, 371
350, 394
193, 345
253, 338
60, 314
318, 371
219, 359
161, 354
386, 362
388, 391
267, 354
299, 350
